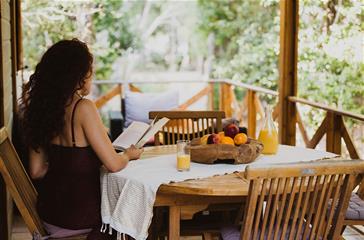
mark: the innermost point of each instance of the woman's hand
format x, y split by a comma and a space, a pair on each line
133, 153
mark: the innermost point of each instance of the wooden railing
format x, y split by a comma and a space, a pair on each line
333, 124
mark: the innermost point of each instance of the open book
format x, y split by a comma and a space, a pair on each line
138, 133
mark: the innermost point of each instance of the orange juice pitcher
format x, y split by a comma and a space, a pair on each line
268, 134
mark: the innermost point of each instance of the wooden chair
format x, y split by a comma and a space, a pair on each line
21, 187
187, 125
355, 213
303, 201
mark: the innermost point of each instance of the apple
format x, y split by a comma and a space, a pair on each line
231, 130
213, 139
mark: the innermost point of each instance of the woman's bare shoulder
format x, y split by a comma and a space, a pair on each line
87, 108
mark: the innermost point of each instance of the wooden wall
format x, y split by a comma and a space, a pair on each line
7, 70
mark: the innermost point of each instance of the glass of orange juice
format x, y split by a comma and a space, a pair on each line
183, 155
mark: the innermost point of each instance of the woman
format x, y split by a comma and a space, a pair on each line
67, 141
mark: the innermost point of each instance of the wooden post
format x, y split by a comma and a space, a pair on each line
252, 114
333, 134
211, 95
226, 99
174, 222
288, 70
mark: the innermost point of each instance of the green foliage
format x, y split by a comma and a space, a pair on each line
113, 23
41, 28
246, 40
330, 68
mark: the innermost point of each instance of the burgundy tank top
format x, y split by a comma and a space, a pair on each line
69, 194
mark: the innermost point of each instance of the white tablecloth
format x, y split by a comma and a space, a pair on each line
128, 196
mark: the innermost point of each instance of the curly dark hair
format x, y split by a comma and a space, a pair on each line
62, 71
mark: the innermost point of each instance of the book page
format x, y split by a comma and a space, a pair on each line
131, 135
154, 128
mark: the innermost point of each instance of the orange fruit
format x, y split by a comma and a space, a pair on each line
227, 140
203, 140
240, 138
221, 134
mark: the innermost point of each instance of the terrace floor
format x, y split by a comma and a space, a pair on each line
20, 232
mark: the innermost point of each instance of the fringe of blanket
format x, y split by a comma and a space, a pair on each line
118, 235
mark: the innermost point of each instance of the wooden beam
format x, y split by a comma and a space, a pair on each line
288, 70
354, 154
356, 116
211, 96
333, 134
252, 114
226, 99
106, 97
134, 88
302, 128
195, 98
14, 56
174, 222
318, 134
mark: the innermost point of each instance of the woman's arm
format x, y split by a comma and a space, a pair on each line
97, 137
38, 165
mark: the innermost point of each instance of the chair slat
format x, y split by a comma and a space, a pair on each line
311, 182
268, 206
317, 210
307, 202
193, 124
282, 205
260, 208
289, 207
312, 207
297, 208
322, 226
19, 184
333, 202
273, 216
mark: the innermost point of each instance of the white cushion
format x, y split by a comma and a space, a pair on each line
138, 105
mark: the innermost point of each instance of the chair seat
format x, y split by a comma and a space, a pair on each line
355, 210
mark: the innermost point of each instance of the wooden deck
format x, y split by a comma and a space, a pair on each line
20, 232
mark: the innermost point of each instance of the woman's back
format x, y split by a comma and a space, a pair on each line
69, 195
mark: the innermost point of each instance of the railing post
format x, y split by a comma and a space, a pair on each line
288, 70
226, 99
333, 134
211, 95
252, 114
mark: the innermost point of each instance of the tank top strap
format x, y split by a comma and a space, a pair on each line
72, 119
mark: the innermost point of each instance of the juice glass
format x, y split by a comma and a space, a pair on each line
183, 155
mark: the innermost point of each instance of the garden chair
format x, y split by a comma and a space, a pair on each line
304, 201
187, 125
355, 212
21, 188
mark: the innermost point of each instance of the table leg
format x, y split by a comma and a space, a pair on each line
174, 222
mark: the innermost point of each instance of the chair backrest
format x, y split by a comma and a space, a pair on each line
186, 125
302, 201
19, 184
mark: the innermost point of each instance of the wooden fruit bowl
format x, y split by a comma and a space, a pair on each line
225, 153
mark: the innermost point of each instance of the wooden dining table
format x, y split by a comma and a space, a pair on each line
195, 194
